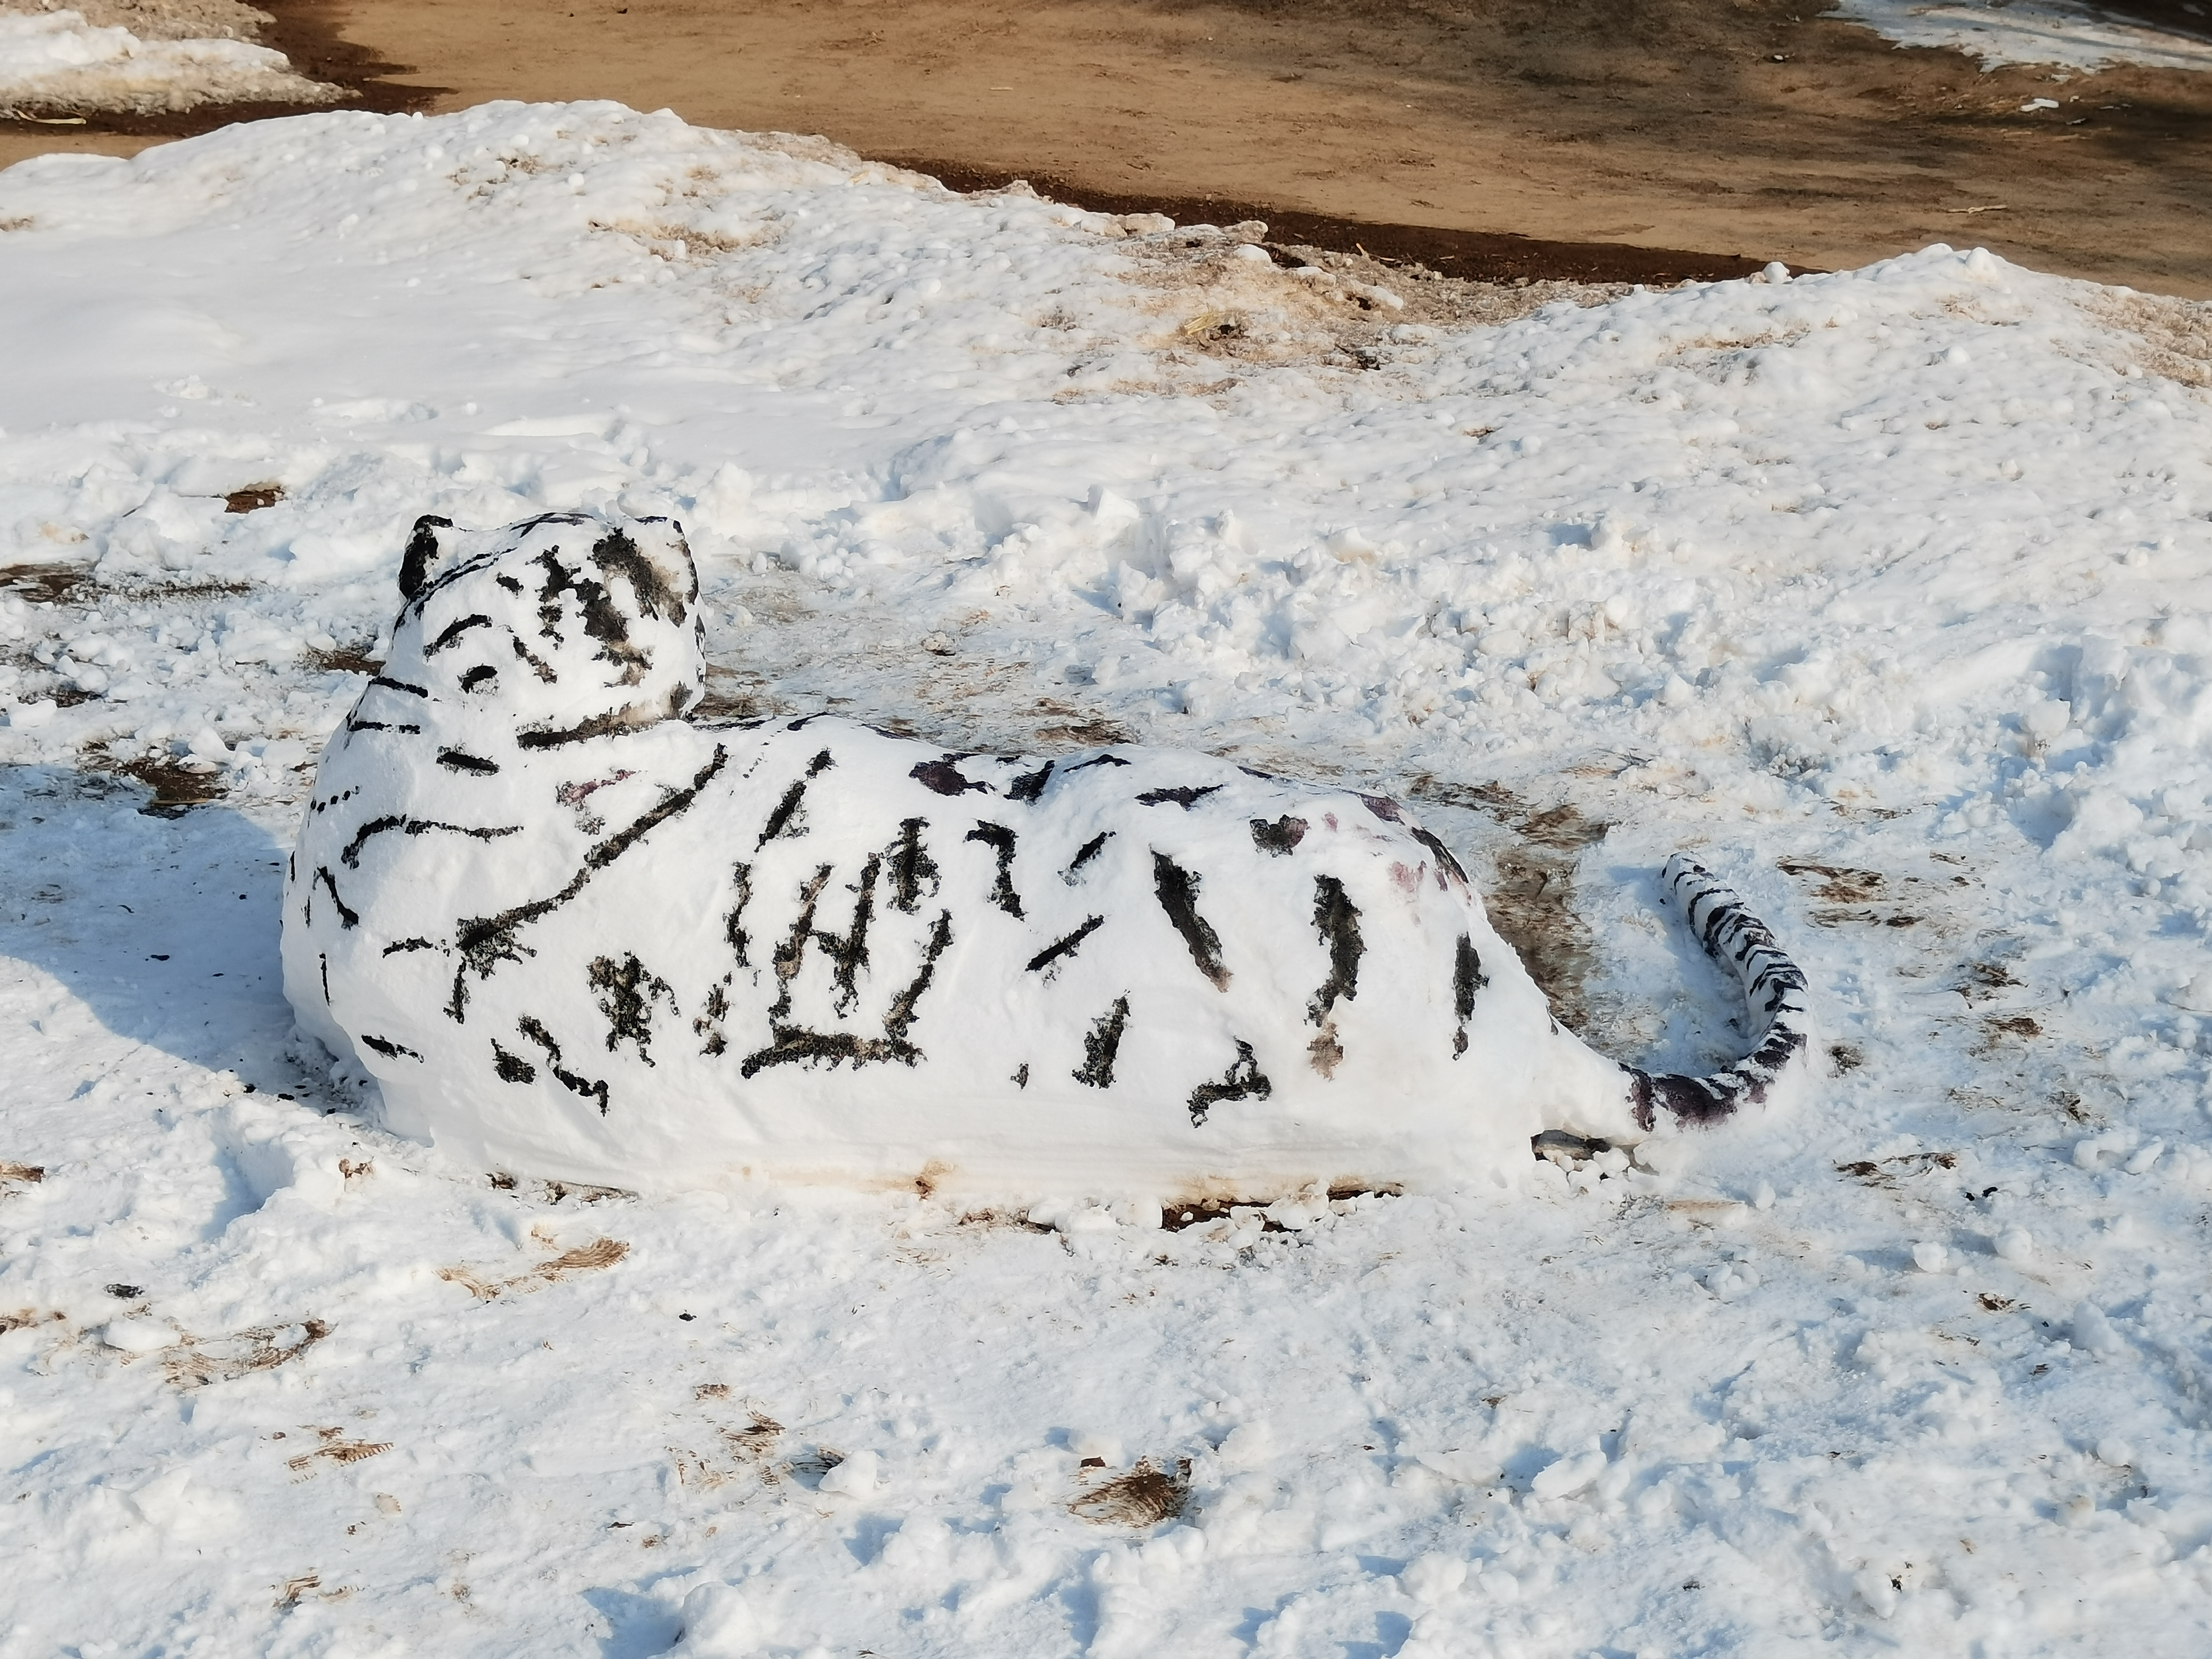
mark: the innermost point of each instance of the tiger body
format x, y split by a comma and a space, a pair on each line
573, 933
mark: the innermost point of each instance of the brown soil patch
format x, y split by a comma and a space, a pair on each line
344, 660
1597, 140
253, 498
1861, 898
42, 584
1757, 129
177, 787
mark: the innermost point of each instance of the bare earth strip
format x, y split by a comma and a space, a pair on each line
1750, 128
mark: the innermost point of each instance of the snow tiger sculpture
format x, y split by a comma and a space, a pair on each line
573, 934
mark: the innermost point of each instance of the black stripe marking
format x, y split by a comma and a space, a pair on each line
484, 942
452, 631
1467, 978
1243, 1080
1066, 947
795, 1045
351, 856
347, 918
1084, 854
1000, 840
1102, 1044
1336, 918
911, 865
944, 776
850, 953
588, 1089
1178, 894
1183, 795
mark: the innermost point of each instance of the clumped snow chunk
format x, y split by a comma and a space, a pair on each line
2069, 33
55, 60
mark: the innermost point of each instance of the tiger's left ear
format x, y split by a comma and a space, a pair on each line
424, 552
653, 555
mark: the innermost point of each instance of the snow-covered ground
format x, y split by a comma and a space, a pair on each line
60, 61
2065, 34
1885, 590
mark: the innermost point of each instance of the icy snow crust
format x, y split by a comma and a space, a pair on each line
1883, 591
2063, 33
57, 60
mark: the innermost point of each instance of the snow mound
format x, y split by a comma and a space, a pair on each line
2063, 33
58, 61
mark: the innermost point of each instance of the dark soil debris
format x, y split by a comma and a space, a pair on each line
1144, 1497
177, 787
253, 498
42, 584
346, 659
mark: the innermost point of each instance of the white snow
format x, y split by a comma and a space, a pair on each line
2066, 33
1883, 592
57, 60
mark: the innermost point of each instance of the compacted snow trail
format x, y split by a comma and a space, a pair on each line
1882, 593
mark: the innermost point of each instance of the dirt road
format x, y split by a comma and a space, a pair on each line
1729, 127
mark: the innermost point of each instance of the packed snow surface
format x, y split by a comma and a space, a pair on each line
1884, 592
2065, 34
57, 60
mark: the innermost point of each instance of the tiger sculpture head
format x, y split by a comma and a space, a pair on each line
562, 627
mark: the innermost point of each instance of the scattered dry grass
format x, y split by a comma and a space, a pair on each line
1144, 1497
2175, 334
600, 1253
553, 1192
192, 1362
1001, 1221
1862, 897
335, 1449
1300, 304
1885, 1172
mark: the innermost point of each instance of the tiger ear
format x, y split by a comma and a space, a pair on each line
671, 554
424, 551
654, 555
